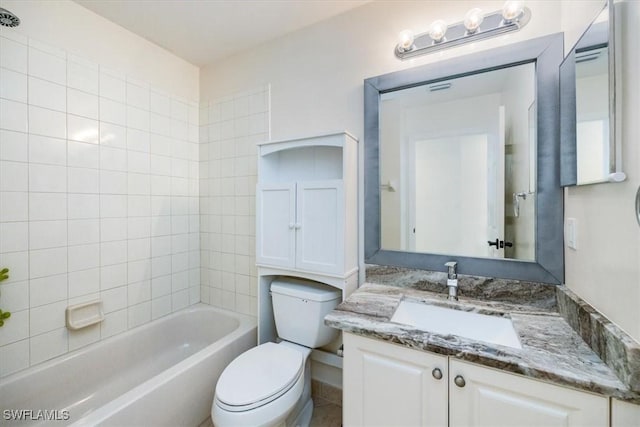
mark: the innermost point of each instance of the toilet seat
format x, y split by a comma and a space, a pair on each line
259, 376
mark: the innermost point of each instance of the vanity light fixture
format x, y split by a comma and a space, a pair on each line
475, 26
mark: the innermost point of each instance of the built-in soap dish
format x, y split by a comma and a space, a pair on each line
85, 314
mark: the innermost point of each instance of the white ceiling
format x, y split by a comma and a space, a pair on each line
203, 31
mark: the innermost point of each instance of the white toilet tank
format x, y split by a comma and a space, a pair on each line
299, 308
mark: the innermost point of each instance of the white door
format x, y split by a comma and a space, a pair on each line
275, 228
490, 398
388, 385
320, 226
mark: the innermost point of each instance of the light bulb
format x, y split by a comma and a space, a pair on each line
437, 30
512, 10
473, 19
405, 40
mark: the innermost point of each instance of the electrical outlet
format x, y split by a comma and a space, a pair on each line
571, 233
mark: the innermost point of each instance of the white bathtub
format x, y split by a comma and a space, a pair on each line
160, 374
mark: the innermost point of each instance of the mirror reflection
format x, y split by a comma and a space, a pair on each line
592, 103
457, 165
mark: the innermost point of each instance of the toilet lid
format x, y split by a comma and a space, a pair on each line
258, 374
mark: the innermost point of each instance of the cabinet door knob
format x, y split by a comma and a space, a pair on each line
437, 373
298, 226
291, 225
459, 380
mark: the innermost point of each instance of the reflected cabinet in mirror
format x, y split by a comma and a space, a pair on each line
588, 106
461, 162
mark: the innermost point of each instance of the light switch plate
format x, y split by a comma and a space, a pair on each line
571, 230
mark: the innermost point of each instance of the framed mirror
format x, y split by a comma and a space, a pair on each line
462, 163
588, 124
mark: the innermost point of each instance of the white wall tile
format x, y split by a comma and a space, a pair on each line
82, 104
139, 314
138, 184
83, 129
17, 329
47, 290
137, 96
13, 115
83, 75
47, 178
83, 155
83, 180
15, 236
138, 227
14, 176
138, 271
49, 345
139, 249
82, 206
47, 234
47, 66
46, 94
138, 162
113, 135
160, 306
112, 182
112, 87
161, 266
43, 149
19, 262
16, 296
137, 118
113, 229
83, 337
138, 205
113, 276
113, 252
113, 158
83, 231
114, 299
13, 55
113, 112
47, 262
84, 282
114, 323
13, 146
113, 206
14, 357
14, 206
47, 206
138, 140
43, 121
84, 257
13, 85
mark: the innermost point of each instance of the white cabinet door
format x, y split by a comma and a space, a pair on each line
388, 385
490, 398
275, 228
320, 226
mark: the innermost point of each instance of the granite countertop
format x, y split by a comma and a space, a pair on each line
551, 348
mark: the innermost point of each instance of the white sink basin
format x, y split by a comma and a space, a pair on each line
446, 321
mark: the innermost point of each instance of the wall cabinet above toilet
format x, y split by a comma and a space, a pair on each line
307, 205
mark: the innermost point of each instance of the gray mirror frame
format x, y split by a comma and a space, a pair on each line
568, 126
547, 53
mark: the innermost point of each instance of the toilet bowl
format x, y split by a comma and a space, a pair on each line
270, 385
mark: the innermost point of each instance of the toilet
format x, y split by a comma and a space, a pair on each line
270, 385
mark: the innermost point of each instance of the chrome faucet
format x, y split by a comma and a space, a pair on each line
452, 280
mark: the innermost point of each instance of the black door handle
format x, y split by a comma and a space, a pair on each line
493, 243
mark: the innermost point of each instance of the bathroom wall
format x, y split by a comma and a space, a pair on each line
230, 128
316, 74
316, 79
98, 179
605, 268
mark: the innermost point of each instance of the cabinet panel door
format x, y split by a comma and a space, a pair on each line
388, 385
496, 399
320, 222
275, 231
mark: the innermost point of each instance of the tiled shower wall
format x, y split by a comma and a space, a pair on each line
98, 199
230, 129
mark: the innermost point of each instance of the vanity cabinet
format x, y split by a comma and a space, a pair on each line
307, 205
386, 384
